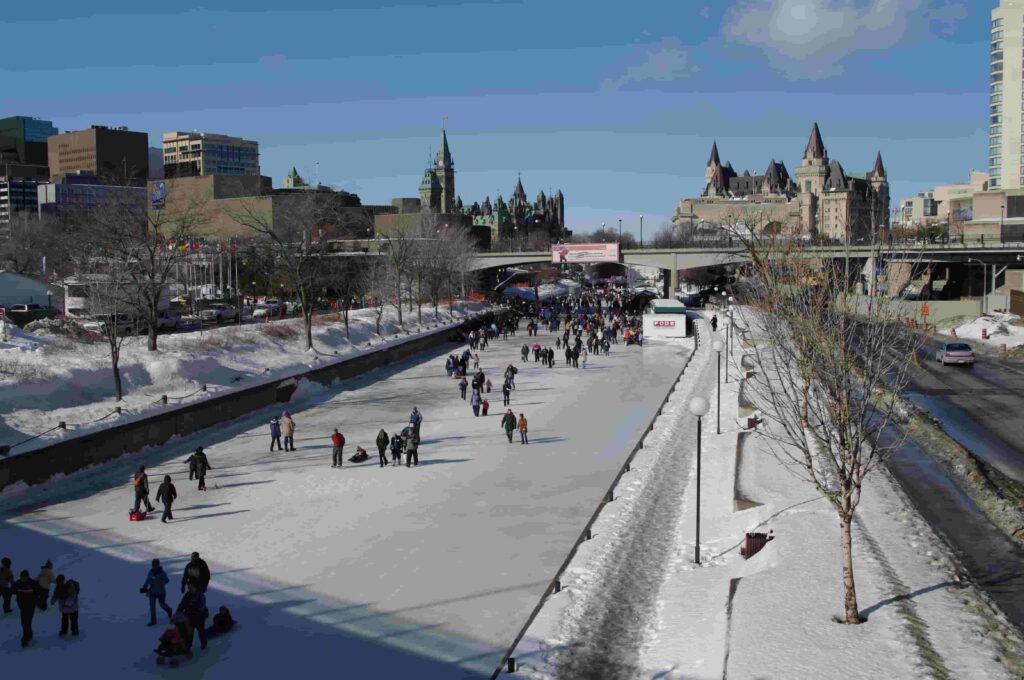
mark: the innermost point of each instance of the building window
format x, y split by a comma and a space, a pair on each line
996, 108
994, 119
997, 55
997, 35
996, 98
995, 140
997, 77
998, 45
996, 23
995, 129
998, 87
995, 151
997, 67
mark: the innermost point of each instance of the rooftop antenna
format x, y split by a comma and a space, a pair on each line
317, 163
444, 122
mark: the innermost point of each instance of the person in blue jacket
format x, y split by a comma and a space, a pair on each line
275, 434
156, 588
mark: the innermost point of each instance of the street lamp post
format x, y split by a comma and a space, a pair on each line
641, 232
1002, 216
699, 407
717, 345
620, 233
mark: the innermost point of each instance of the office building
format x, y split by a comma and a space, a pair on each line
109, 155
1006, 95
84, 192
198, 154
23, 139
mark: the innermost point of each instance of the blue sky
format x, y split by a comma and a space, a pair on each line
615, 103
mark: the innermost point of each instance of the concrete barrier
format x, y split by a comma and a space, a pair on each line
75, 453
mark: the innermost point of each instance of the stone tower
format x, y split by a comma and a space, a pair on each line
880, 184
430, 191
810, 178
445, 173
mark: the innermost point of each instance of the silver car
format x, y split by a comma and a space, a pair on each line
955, 353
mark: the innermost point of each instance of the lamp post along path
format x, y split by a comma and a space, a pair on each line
717, 345
699, 407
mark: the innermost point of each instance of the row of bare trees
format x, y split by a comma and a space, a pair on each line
122, 257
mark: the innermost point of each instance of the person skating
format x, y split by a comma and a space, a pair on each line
525, 351
26, 594
202, 465
43, 582
191, 462
166, 494
521, 426
506, 392
196, 573
155, 588
382, 447
65, 595
288, 430
140, 482
583, 358
487, 385
463, 384
6, 583
474, 402
714, 323
337, 446
396, 449
508, 423
275, 434
412, 454
485, 406
193, 606
416, 419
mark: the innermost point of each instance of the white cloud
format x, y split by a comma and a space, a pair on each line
811, 38
668, 61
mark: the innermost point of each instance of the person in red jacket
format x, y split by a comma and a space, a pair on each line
338, 442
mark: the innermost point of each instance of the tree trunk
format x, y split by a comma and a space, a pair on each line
152, 335
345, 312
419, 301
849, 587
399, 305
307, 319
115, 366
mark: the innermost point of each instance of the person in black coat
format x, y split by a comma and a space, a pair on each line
193, 606
166, 495
202, 465
26, 593
141, 484
196, 573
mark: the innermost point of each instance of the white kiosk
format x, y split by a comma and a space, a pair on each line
667, 319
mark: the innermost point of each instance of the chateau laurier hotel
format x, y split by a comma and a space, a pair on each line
823, 198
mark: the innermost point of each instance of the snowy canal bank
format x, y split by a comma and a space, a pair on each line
425, 572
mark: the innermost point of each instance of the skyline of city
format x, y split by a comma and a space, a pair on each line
619, 116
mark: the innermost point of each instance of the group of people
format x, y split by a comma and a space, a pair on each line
31, 594
166, 493
406, 441
192, 612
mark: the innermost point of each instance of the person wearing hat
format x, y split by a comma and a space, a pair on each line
288, 430
155, 587
26, 593
196, 574
166, 494
44, 580
275, 434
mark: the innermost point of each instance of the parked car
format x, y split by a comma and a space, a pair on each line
188, 322
99, 324
219, 312
291, 307
23, 314
265, 310
955, 353
167, 320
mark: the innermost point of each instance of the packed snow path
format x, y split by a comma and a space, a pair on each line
427, 571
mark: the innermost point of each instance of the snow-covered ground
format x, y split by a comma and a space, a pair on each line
1002, 329
771, 616
47, 380
426, 572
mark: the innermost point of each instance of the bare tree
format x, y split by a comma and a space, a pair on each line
346, 279
442, 257
833, 365
379, 277
298, 237
399, 248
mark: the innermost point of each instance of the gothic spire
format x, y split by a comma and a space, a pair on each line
444, 156
714, 154
815, 147
879, 170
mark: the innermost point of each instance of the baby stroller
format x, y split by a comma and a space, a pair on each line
173, 644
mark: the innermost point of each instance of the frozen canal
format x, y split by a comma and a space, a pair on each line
430, 570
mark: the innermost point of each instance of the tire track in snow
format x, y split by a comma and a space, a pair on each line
620, 612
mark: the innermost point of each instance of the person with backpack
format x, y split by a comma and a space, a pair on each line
508, 423
382, 447
396, 449
275, 434
196, 574
155, 587
140, 482
166, 495
506, 392
288, 430
66, 597
416, 419
337, 445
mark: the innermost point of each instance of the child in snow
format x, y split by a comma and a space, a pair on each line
484, 406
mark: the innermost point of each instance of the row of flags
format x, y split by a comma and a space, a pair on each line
195, 245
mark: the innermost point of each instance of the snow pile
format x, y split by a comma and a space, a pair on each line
59, 378
1001, 329
65, 328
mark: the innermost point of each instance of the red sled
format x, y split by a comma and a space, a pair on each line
134, 516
